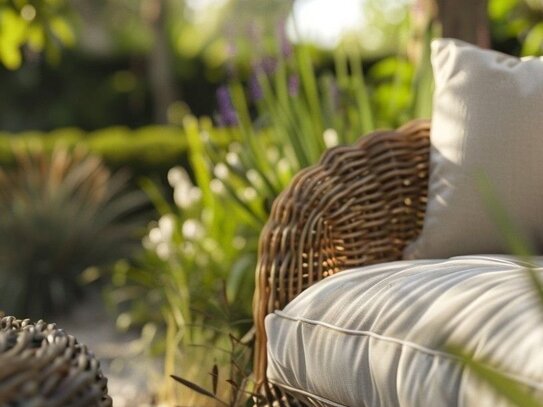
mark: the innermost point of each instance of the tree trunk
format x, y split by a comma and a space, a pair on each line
466, 20
161, 75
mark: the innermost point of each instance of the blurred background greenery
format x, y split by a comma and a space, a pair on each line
211, 106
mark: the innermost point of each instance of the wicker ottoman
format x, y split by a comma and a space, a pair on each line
42, 366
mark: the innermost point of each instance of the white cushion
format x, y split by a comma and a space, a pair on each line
377, 336
487, 119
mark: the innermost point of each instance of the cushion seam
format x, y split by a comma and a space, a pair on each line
306, 393
420, 348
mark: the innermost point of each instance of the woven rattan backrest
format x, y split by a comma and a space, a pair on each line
360, 205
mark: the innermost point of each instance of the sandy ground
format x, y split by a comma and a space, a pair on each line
120, 354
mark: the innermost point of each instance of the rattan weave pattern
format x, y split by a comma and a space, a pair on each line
359, 205
42, 366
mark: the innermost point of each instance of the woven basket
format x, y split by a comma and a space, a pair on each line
359, 205
42, 366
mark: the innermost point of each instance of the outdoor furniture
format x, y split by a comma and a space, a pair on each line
42, 366
361, 205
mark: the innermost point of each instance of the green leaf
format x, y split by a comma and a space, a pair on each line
504, 385
196, 388
392, 67
36, 37
534, 41
514, 238
62, 30
10, 56
499, 9
423, 84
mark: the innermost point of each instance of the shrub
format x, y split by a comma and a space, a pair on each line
118, 146
61, 214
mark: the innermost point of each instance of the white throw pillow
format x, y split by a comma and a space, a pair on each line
487, 119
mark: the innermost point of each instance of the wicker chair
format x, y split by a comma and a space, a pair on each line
360, 205
42, 366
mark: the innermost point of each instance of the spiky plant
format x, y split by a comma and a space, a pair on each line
60, 213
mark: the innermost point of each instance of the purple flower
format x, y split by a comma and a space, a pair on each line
268, 64
227, 113
284, 43
255, 90
293, 85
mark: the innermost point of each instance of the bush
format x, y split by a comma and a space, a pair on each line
148, 151
61, 214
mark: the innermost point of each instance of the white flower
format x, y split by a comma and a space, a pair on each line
254, 178
146, 243
178, 176
195, 195
192, 229
233, 159
155, 236
185, 197
221, 171
283, 166
204, 136
331, 138
216, 186
249, 194
166, 224
124, 320
163, 250
180, 198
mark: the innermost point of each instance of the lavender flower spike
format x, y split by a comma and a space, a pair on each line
293, 85
284, 43
255, 90
227, 112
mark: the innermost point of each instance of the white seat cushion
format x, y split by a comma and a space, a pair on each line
378, 336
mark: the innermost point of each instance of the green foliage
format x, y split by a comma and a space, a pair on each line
62, 213
200, 257
149, 151
503, 384
519, 20
40, 25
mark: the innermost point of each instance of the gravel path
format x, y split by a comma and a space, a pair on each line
121, 355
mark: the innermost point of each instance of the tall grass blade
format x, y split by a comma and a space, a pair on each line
504, 385
196, 388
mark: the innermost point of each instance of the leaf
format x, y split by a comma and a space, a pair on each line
499, 9
504, 385
514, 239
232, 383
392, 67
534, 41
36, 37
62, 31
196, 388
215, 377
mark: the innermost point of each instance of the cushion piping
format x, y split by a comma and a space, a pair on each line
433, 352
307, 394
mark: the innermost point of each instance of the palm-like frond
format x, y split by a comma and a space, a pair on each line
61, 213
